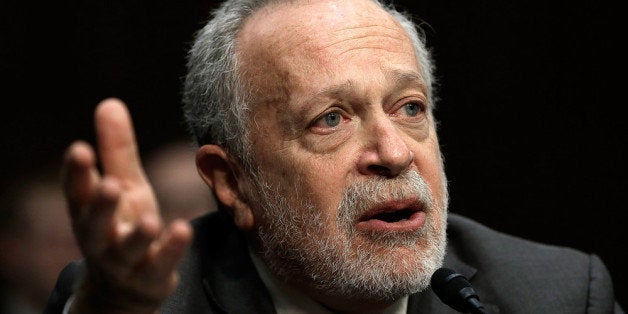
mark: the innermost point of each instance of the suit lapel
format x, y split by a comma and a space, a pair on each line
428, 302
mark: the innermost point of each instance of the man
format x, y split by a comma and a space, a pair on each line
316, 134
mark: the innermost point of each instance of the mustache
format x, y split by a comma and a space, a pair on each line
361, 196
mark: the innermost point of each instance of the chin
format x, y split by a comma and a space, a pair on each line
388, 272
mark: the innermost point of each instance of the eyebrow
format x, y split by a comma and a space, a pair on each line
400, 79
333, 91
406, 77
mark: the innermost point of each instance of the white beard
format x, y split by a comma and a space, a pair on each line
299, 244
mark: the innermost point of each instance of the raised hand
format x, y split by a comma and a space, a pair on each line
131, 257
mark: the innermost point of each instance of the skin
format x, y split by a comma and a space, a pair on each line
306, 60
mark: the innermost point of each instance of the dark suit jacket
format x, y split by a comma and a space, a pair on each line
510, 275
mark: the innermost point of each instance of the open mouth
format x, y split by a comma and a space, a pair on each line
395, 216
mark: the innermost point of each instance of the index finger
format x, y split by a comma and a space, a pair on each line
116, 141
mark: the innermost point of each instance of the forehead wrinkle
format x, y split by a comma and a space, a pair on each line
387, 48
389, 33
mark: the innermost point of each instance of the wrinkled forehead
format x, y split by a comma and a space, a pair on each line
307, 36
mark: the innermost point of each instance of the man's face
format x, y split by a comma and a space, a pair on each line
350, 195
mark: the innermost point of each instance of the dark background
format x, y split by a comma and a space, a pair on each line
531, 110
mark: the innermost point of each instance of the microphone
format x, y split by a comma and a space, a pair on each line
455, 290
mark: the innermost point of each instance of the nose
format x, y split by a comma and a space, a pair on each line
386, 152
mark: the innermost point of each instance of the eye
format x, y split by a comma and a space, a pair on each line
329, 120
412, 109
332, 119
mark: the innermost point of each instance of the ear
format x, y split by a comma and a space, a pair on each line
222, 175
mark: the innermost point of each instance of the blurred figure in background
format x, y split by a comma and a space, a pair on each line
179, 189
36, 241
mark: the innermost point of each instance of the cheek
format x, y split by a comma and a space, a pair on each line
428, 161
322, 183
318, 180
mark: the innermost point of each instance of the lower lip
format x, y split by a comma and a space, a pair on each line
415, 222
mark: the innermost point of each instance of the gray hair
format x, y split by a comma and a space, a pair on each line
216, 99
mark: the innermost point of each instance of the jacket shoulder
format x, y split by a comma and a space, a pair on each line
523, 276
476, 240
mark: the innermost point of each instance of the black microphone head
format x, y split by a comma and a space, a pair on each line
454, 290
